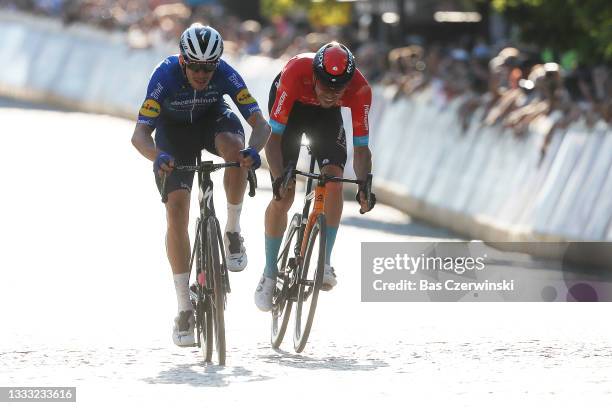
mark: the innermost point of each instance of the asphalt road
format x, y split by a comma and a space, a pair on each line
86, 300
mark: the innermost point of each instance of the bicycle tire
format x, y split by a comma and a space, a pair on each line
204, 328
206, 335
282, 303
218, 304
312, 289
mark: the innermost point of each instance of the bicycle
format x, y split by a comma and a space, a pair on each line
208, 293
296, 281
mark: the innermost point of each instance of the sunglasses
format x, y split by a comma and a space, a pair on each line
331, 89
199, 66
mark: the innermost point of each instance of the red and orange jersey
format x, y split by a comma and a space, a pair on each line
297, 84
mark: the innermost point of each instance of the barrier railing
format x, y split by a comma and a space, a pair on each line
484, 183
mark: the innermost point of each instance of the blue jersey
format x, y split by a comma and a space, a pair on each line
171, 98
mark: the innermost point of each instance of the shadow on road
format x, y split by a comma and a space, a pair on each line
199, 374
411, 228
335, 363
205, 375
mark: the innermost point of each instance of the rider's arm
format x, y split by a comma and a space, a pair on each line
274, 155
362, 164
143, 142
361, 97
286, 94
261, 131
362, 161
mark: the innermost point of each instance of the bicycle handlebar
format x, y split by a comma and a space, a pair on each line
287, 176
364, 185
210, 167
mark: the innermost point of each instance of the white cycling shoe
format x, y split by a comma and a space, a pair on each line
264, 292
182, 333
329, 278
235, 253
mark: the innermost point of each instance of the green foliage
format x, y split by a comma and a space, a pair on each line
271, 8
321, 13
582, 25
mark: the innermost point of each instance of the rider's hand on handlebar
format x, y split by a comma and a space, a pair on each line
164, 163
277, 190
361, 199
249, 158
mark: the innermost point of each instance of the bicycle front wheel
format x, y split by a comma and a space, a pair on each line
216, 271
310, 282
205, 328
281, 300
203, 308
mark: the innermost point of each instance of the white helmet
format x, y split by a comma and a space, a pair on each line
201, 43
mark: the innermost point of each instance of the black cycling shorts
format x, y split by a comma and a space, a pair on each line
184, 142
323, 126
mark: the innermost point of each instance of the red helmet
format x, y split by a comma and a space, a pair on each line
334, 65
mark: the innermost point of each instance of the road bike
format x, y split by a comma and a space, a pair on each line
300, 275
209, 291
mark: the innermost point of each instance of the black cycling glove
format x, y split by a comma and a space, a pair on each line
372, 202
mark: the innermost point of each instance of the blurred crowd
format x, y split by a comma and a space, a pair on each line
513, 86
504, 85
149, 23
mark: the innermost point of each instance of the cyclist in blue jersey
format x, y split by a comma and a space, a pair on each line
184, 106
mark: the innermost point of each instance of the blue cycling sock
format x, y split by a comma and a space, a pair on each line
272, 247
330, 239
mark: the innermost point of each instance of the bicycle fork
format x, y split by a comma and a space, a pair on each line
319, 208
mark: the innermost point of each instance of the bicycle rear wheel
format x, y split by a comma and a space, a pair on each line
310, 282
281, 300
216, 272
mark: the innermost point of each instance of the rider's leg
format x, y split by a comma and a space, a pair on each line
228, 145
275, 224
331, 155
177, 247
177, 244
333, 208
234, 180
276, 212
178, 187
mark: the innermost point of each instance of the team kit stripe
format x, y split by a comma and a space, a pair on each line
361, 140
277, 128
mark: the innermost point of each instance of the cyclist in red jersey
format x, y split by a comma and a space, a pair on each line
306, 98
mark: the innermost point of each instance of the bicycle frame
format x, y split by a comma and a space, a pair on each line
207, 210
318, 195
212, 280
306, 219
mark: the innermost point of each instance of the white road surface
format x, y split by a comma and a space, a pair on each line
87, 300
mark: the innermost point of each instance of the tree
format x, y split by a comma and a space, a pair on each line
563, 25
